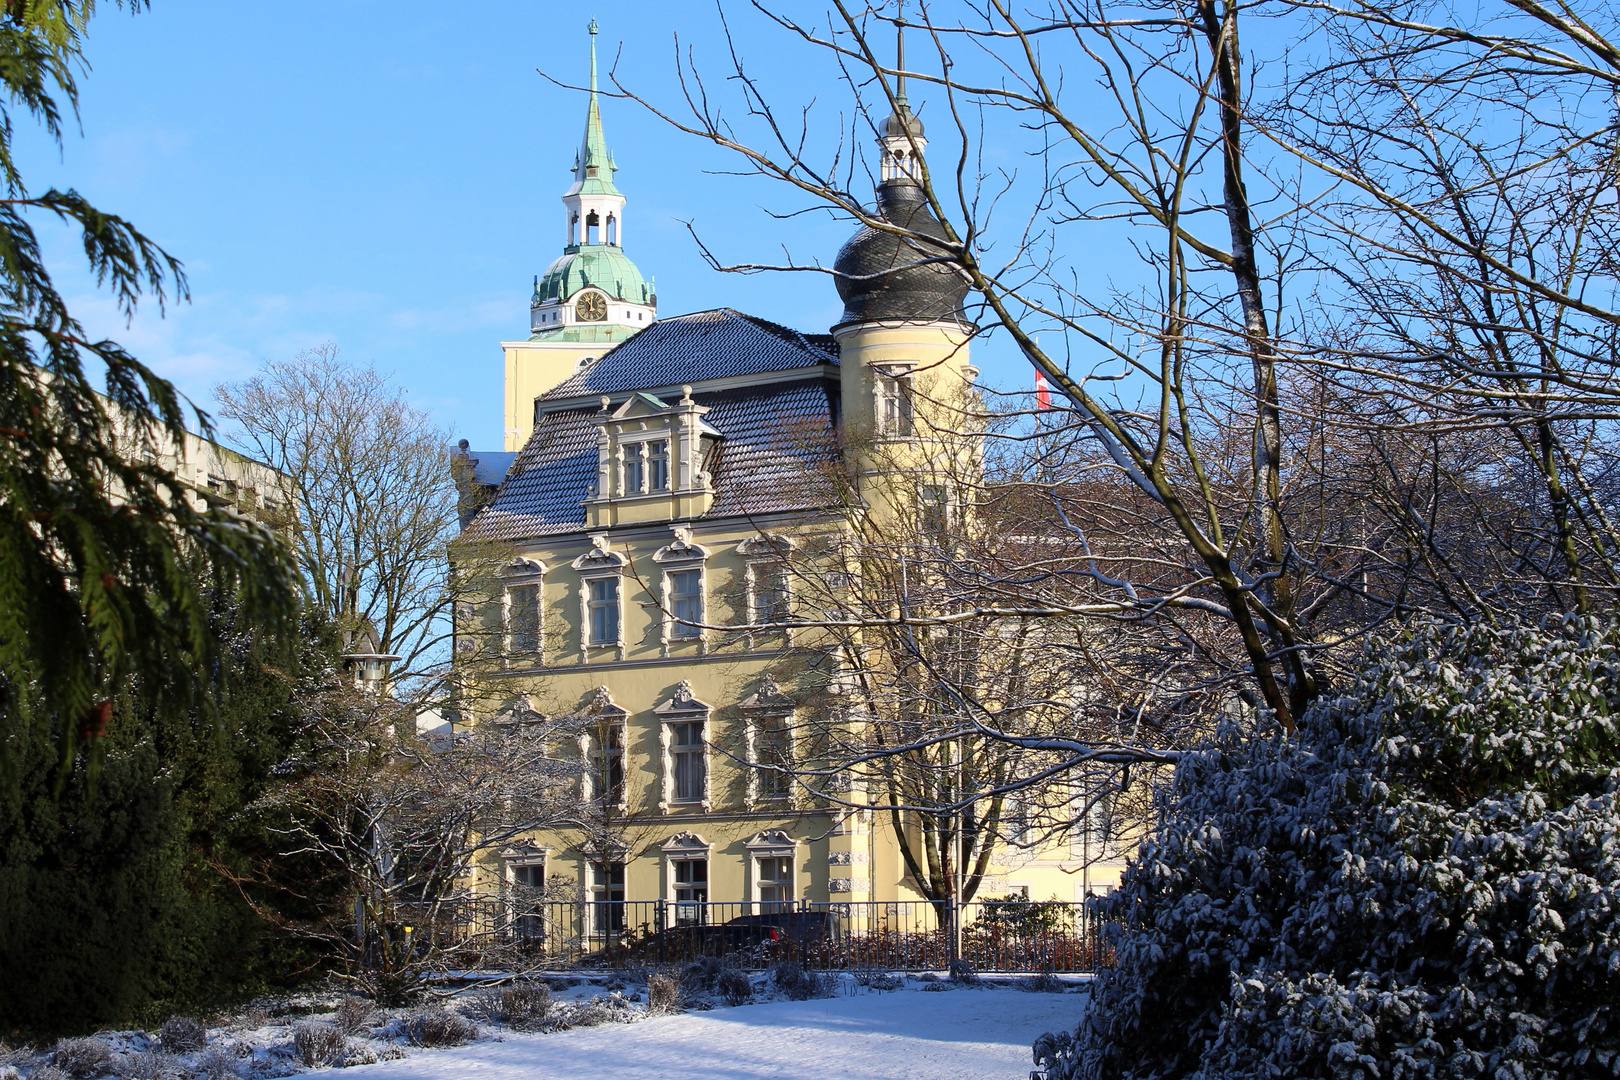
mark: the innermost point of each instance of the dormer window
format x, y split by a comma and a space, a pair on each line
658, 465
646, 467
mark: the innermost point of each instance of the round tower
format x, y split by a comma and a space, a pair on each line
903, 337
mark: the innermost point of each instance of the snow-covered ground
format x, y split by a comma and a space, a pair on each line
958, 1034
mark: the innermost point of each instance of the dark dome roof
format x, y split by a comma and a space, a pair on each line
876, 271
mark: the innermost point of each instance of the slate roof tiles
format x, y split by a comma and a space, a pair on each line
776, 436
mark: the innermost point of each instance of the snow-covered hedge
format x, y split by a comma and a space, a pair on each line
1423, 882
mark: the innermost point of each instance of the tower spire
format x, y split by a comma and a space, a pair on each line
594, 167
901, 135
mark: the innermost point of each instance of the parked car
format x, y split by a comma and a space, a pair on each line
763, 937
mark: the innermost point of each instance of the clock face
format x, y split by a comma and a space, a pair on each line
592, 307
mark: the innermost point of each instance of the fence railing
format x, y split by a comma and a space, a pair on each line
994, 935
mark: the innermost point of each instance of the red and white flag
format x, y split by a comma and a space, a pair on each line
1043, 390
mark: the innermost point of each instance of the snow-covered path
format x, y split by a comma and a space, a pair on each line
907, 1035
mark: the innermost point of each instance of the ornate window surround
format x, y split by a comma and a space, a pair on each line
682, 707
683, 554
770, 844
684, 847
767, 703
602, 710
894, 382
597, 564
518, 573
758, 552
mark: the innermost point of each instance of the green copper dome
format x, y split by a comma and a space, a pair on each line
602, 265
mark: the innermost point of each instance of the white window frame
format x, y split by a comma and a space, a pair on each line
525, 856
591, 605
637, 451
687, 847
772, 844
674, 628
598, 564
602, 715
523, 574
784, 723
894, 401
768, 705
683, 708
678, 557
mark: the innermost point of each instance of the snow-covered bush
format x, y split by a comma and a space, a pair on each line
663, 993
431, 1025
354, 1015
1423, 882
182, 1034
522, 1006
318, 1043
150, 1065
48, 1072
798, 984
83, 1058
218, 1064
734, 987
603, 1009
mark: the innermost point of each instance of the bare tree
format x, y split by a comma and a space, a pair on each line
376, 500
402, 823
1353, 363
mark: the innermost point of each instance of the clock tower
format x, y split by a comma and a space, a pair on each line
591, 297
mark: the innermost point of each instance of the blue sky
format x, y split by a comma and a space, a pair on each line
386, 176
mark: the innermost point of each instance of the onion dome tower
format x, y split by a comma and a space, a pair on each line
592, 296
903, 337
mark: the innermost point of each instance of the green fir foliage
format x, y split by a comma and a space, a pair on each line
98, 543
128, 900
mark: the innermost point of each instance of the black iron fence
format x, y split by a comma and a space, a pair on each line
993, 935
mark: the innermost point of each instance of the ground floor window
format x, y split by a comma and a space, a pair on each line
775, 875
691, 891
528, 879
607, 898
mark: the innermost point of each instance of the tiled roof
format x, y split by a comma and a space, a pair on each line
685, 349
775, 443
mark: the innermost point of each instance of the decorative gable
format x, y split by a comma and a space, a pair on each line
653, 461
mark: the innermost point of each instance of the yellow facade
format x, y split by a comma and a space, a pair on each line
641, 520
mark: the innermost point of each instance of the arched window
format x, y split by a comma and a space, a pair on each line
613, 229
592, 228
573, 231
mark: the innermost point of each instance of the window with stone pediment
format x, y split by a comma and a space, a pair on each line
601, 602
686, 857
684, 736
685, 586
768, 578
768, 715
601, 727
521, 609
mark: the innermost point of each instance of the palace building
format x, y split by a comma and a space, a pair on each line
664, 479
